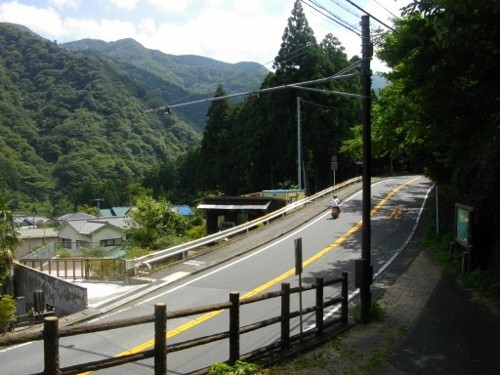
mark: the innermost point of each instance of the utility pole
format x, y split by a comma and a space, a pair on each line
299, 146
364, 270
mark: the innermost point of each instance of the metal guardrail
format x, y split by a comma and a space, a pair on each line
161, 255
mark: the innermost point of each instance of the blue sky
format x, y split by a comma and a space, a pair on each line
225, 30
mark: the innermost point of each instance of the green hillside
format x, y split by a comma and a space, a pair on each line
72, 124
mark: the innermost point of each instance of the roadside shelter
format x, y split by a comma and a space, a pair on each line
226, 211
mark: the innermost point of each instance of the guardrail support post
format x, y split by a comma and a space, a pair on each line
345, 297
51, 346
160, 339
319, 305
234, 328
285, 315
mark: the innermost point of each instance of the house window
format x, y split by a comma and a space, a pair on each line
111, 242
80, 244
66, 243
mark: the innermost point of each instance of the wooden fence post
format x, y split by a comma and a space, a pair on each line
285, 315
51, 346
319, 305
345, 298
160, 339
234, 328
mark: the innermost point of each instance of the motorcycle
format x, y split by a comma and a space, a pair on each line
335, 212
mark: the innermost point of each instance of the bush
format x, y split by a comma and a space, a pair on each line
7, 313
136, 252
63, 253
239, 368
196, 232
93, 252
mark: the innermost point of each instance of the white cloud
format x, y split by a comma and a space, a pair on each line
226, 30
105, 29
45, 21
125, 4
73, 4
173, 6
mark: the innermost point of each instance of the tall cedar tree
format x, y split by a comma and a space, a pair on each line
215, 154
325, 118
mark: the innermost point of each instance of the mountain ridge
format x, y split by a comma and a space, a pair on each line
73, 124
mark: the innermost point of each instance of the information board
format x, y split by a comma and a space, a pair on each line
463, 224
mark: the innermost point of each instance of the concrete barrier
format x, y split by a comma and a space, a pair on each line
66, 297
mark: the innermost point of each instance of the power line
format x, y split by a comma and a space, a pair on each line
332, 17
300, 85
368, 14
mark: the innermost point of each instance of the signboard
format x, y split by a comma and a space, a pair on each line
463, 224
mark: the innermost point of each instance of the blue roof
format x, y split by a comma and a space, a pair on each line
184, 210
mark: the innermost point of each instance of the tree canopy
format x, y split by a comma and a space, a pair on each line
441, 111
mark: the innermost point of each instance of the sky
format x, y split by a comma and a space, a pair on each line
226, 30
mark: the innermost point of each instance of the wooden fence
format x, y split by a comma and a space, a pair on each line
159, 352
80, 268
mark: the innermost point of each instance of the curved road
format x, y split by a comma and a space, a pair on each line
329, 248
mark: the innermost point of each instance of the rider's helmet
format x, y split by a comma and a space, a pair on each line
335, 196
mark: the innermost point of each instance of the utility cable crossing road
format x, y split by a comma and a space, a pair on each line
329, 246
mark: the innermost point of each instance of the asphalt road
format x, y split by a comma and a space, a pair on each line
329, 248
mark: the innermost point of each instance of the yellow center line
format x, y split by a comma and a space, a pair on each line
276, 280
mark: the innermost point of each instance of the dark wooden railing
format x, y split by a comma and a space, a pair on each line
52, 332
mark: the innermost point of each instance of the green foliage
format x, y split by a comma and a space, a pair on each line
483, 281
7, 313
93, 252
440, 113
196, 232
63, 253
156, 224
135, 252
239, 368
75, 120
8, 238
106, 269
376, 312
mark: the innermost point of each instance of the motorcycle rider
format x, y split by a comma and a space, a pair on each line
336, 203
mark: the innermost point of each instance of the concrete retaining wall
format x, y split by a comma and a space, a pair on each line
65, 296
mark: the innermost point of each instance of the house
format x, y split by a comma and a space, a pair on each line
114, 212
109, 233
31, 239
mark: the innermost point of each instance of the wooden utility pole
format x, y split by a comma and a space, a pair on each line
365, 276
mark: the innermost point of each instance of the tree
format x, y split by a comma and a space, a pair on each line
7, 313
8, 239
152, 221
444, 55
216, 144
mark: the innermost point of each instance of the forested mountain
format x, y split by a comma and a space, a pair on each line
72, 124
175, 79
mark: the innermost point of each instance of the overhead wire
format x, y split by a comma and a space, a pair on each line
387, 10
370, 15
313, 4
332, 17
